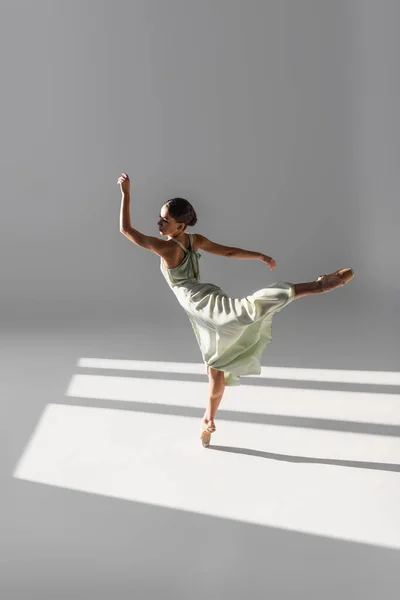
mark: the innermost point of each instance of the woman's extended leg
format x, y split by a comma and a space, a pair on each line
216, 391
324, 283
306, 289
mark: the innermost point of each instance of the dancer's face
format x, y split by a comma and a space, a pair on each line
167, 224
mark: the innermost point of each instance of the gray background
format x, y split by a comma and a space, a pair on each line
276, 119
279, 121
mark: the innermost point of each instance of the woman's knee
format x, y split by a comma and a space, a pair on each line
214, 373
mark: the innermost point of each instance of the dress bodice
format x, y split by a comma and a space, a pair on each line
188, 271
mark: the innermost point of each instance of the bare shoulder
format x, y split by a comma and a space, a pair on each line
148, 242
203, 243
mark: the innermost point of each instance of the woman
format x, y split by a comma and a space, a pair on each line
231, 332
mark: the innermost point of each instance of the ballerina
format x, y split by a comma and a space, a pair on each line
232, 333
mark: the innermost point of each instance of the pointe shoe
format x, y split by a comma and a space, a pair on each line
334, 280
205, 434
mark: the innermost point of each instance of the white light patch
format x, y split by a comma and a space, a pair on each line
364, 407
259, 474
286, 373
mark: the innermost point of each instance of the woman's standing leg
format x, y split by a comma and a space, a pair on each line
216, 391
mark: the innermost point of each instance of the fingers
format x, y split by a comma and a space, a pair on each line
269, 261
124, 177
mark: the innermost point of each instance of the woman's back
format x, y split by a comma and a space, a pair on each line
187, 269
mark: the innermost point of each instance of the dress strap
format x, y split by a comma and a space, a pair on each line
190, 249
180, 244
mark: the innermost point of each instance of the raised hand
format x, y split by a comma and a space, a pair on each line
124, 183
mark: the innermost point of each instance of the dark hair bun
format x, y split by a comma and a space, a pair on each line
182, 211
193, 221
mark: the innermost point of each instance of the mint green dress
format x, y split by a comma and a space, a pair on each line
231, 332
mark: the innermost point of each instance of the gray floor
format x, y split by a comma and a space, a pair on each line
60, 543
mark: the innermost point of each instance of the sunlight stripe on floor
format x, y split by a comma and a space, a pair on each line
287, 373
365, 407
252, 473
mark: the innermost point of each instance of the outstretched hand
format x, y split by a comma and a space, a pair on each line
124, 183
269, 261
